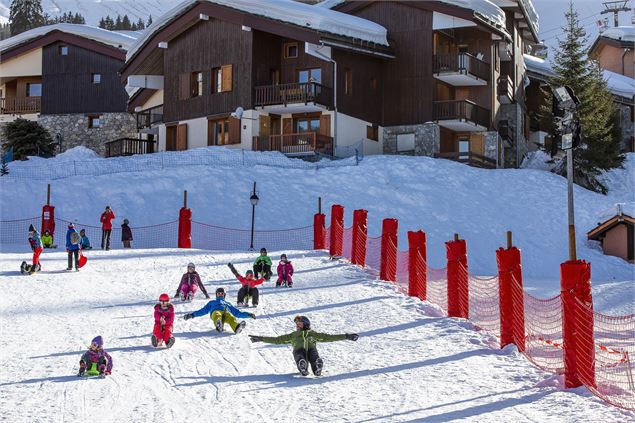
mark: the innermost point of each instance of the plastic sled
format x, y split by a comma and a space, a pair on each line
82, 260
92, 371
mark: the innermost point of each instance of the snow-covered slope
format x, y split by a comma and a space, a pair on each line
441, 197
409, 363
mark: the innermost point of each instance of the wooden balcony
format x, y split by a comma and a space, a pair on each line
298, 92
18, 105
461, 115
460, 69
471, 159
149, 117
128, 147
299, 144
505, 89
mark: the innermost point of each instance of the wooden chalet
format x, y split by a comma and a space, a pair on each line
616, 236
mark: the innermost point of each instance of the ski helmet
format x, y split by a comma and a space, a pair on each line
283, 257
98, 341
220, 292
249, 272
164, 297
263, 250
305, 321
191, 265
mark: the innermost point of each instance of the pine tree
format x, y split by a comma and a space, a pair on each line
117, 23
149, 21
79, 19
102, 23
599, 149
4, 170
27, 138
25, 15
125, 23
140, 25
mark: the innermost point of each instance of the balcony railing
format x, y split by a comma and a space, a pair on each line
463, 63
298, 144
128, 147
298, 92
505, 90
20, 104
472, 159
462, 110
148, 117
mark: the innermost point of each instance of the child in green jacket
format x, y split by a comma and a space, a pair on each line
304, 341
262, 265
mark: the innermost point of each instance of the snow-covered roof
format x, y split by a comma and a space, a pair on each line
620, 33
104, 36
617, 84
288, 11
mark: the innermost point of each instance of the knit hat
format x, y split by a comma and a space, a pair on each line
70, 225
249, 272
31, 228
98, 341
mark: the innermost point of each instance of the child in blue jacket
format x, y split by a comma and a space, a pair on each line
73, 245
222, 312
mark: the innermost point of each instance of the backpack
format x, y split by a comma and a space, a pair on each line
75, 238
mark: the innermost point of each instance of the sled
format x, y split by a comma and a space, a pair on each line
91, 371
82, 259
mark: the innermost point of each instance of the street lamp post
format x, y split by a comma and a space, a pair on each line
254, 201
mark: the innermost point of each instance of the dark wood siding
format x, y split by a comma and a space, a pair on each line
207, 45
67, 86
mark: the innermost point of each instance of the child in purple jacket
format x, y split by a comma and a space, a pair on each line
97, 355
285, 272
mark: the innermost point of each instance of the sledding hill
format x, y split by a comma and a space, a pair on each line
409, 364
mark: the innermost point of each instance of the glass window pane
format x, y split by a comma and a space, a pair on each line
315, 125
303, 76
464, 146
219, 80
303, 126
33, 90
316, 75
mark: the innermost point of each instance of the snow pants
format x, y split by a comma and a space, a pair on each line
311, 355
262, 269
186, 289
105, 238
36, 256
72, 253
225, 317
162, 332
252, 292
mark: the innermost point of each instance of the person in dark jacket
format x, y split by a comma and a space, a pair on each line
190, 281
85, 241
73, 245
304, 341
126, 234
221, 312
106, 227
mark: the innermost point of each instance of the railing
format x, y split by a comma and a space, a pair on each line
463, 63
505, 89
128, 147
298, 92
472, 159
464, 110
20, 104
148, 117
295, 144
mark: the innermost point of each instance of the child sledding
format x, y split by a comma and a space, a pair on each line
262, 265
36, 246
221, 312
190, 282
163, 320
96, 361
248, 288
304, 341
285, 272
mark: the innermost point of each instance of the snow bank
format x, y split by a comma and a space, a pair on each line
538, 160
620, 33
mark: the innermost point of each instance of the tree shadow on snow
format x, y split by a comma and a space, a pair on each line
139, 303
322, 307
68, 378
144, 348
404, 326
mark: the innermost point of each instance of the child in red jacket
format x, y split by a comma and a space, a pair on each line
163, 320
248, 288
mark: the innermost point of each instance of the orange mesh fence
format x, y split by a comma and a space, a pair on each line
402, 271
543, 332
438, 287
484, 305
373, 252
347, 246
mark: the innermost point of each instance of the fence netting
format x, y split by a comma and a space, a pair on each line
210, 237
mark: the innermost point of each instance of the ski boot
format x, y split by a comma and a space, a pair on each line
219, 325
102, 371
155, 341
319, 365
190, 297
170, 342
303, 367
240, 327
23, 267
182, 296
82, 369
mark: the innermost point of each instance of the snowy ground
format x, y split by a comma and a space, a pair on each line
409, 364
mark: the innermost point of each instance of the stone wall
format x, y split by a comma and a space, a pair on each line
490, 149
626, 126
513, 114
427, 139
75, 131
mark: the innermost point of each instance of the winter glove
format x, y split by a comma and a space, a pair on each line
352, 336
233, 269
253, 316
255, 338
207, 296
188, 316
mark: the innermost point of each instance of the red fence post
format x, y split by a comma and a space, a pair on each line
456, 252
417, 270
319, 231
577, 323
511, 297
337, 230
48, 219
185, 228
388, 262
360, 234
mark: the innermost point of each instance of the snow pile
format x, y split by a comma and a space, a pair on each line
539, 160
289, 11
620, 33
104, 36
78, 153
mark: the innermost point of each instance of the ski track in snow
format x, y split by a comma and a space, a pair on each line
408, 365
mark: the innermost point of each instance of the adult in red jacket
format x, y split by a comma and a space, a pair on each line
163, 321
249, 284
106, 227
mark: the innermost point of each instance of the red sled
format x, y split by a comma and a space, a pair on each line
82, 259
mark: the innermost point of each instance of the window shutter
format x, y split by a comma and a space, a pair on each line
234, 130
287, 125
325, 125
181, 137
184, 86
226, 84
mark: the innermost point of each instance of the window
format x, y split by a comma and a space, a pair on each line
94, 121
223, 131
34, 90
290, 50
310, 75
196, 81
222, 79
95, 78
372, 132
464, 148
348, 81
62, 50
307, 125
405, 142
